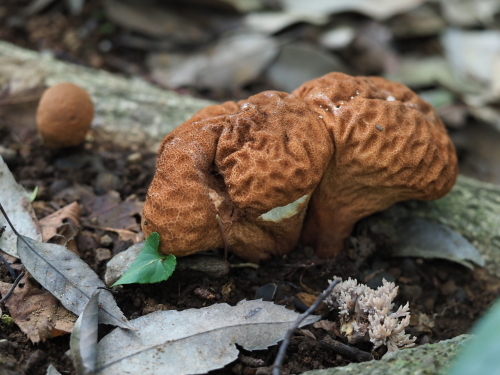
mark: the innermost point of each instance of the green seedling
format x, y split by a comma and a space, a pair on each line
150, 266
33, 194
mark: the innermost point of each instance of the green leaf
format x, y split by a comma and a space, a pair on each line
481, 354
33, 194
150, 266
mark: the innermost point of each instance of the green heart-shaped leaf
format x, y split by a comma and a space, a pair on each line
150, 266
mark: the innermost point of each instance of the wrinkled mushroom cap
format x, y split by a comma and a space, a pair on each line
343, 147
241, 161
64, 115
390, 145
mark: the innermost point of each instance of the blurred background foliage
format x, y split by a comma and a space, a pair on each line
446, 50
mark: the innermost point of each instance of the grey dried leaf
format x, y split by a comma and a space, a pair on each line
230, 63
51, 370
193, 341
83, 341
379, 10
421, 238
68, 278
17, 205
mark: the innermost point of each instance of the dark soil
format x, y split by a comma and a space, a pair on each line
445, 298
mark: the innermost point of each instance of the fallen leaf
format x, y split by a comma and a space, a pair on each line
306, 298
380, 9
150, 266
16, 203
232, 62
51, 370
326, 325
110, 211
193, 341
123, 234
61, 227
300, 62
308, 333
68, 278
473, 54
37, 312
415, 237
83, 341
272, 22
155, 20
470, 12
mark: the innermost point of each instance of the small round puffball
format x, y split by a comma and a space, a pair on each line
64, 115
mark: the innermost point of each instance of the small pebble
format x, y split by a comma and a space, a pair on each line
102, 254
106, 240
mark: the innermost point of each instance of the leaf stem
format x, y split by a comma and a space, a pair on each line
14, 229
8, 221
278, 362
7, 265
12, 288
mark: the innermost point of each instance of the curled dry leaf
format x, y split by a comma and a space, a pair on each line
61, 227
110, 211
193, 341
37, 312
326, 325
16, 203
83, 341
68, 278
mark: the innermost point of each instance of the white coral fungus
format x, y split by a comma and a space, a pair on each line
365, 313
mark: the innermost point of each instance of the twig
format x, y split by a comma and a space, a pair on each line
7, 265
349, 352
224, 239
278, 362
244, 265
12, 227
12, 288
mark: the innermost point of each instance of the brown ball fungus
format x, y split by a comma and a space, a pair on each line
277, 168
64, 115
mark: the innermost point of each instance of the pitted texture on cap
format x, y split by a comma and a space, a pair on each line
389, 146
237, 160
345, 146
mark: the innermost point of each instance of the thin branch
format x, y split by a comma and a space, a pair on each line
14, 229
8, 220
350, 352
7, 265
278, 363
12, 288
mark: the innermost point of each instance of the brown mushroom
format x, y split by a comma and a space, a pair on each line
347, 146
390, 145
241, 161
64, 115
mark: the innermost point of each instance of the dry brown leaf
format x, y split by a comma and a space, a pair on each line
110, 211
123, 234
62, 226
308, 333
37, 312
306, 298
326, 325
